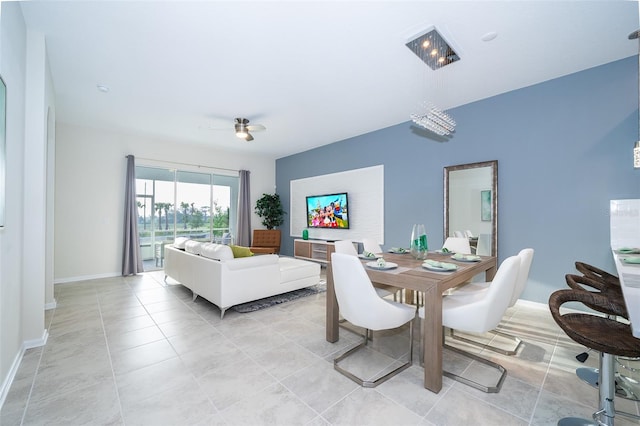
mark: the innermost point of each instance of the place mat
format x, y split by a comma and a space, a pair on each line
398, 270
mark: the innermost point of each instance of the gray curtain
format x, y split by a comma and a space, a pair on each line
244, 210
131, 257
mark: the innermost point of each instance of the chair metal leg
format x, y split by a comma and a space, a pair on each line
488, 389
517, 342
461, 379
343, 324
382, 379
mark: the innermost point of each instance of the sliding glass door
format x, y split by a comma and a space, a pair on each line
175, 203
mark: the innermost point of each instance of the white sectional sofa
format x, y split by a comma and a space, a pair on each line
210, 271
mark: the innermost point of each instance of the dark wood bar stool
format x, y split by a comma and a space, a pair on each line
608, 336
598, 274
609, 286
613, 293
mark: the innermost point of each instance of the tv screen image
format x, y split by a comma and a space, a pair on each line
328, 211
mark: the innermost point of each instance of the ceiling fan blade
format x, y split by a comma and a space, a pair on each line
256, 127
249, 138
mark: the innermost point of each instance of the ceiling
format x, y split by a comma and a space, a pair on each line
312, 72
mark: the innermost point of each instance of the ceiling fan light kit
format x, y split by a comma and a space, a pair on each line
243, 127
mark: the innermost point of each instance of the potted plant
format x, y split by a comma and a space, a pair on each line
269, 208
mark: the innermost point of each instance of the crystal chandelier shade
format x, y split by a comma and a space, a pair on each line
435, 120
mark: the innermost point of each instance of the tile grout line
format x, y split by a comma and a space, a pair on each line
106, 341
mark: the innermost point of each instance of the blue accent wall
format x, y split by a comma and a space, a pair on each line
564, 149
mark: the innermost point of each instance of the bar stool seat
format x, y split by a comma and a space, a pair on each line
610, 337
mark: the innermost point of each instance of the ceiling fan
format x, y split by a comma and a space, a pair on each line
243, 128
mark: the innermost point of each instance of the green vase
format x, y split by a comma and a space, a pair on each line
305, 234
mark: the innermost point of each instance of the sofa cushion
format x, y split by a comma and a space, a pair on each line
240, 251
193, 247
292, 269
180, 242
216, 251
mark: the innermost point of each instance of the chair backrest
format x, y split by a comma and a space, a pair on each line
266, 238
357, 299
345, 247
498, 294
526, 258
468, 234
483, 247
370, 245
457, 245
458, 234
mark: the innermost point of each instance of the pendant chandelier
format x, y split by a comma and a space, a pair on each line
434, 51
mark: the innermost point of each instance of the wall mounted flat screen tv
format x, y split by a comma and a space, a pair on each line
328, 211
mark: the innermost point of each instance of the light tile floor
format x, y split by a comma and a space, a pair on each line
136, 351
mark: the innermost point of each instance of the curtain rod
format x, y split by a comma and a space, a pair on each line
185, 164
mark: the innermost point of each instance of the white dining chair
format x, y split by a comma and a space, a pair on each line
479, 313
526, 259
483, 247
458, 234
370, 245
345, 247
359, 304
457, 245
468, 234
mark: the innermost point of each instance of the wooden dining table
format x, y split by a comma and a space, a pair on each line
410, 275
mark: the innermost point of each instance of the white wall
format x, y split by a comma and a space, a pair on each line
21, 304
35, 184
89, 192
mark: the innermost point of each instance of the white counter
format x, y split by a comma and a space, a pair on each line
629, 275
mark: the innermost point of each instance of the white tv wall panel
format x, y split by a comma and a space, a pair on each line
365, 189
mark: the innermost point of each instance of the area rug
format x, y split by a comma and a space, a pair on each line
280, 298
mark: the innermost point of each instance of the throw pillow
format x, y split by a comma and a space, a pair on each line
180, 242
240, 251
216, 251
193, 247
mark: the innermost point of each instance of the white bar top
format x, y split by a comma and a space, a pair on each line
629, 275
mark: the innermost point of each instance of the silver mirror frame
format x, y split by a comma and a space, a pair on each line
494, 199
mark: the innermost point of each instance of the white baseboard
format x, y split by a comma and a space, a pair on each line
6, 385
86, 278
533, 305
17, 360
36, 343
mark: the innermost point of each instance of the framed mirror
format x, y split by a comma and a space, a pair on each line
471, 205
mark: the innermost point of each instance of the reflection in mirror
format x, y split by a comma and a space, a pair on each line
471, 204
